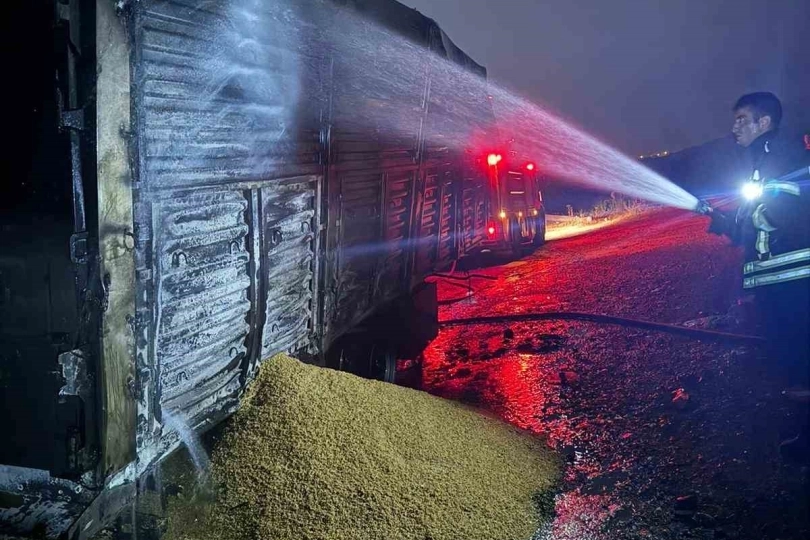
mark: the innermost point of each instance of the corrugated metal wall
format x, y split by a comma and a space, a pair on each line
289, 233
229, 168
359, 231
289, 182
202, 281
396, 165
399, 188
472, 214
455, 127
376, 124
427, 231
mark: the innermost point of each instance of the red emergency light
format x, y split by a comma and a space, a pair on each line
491, 229
530, 166
493, 159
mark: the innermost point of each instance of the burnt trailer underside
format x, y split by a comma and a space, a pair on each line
261, 177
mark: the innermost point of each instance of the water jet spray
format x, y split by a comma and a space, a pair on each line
558, 148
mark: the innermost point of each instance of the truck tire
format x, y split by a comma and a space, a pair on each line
384, 363
539, 230
370, 359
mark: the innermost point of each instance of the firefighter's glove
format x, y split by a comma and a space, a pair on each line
721, 223
703, 208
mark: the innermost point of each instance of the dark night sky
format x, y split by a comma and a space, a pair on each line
642, 75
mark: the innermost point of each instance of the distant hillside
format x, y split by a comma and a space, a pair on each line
558, 194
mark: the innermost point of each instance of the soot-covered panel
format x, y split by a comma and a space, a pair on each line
202, 292
289, 232
228, 104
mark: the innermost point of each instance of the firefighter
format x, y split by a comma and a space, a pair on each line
773, 225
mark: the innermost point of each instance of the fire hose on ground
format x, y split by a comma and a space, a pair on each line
607, 319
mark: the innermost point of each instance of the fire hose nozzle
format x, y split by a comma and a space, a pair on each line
703, 208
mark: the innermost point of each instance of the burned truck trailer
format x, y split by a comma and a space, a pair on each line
200, 185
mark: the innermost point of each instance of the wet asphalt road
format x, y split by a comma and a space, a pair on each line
663, 436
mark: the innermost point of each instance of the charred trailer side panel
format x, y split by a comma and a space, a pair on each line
374, 164
229, 153
400, 165
459, 122
251, 178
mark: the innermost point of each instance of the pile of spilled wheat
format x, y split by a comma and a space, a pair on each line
320, 454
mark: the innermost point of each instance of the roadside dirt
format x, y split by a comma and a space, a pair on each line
664, 436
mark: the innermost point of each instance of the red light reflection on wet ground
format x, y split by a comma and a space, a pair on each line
639, 418
579, 517
521, 387
529, 373
524, 380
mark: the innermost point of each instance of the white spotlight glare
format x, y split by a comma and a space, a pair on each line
752, 190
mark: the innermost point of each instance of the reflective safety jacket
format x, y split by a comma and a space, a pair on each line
775, 228
778, 261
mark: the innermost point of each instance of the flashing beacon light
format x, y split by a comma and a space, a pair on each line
752, 190
502, 214
520, 214
530, 166
535, 212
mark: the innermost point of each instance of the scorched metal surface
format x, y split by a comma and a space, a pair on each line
228, 162
270, 175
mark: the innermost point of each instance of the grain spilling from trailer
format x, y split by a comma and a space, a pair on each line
316, 453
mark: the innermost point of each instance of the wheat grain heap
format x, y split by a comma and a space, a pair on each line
319, 454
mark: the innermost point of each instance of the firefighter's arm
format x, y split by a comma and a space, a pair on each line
722, 223
783, 210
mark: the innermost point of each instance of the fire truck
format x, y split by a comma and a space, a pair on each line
516, 217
